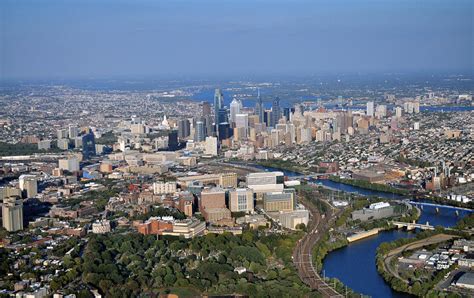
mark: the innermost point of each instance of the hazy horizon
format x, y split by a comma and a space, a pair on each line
124, 38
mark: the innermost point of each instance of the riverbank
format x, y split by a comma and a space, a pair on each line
387, 253
369, 185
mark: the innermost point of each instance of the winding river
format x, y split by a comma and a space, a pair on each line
354, 264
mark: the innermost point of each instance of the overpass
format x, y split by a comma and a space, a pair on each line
411, 226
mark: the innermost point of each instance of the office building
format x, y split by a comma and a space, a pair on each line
161, 187
205, 109
173, 144
259, 109
225, 131
62, 134
242, 124
278, 201
235, 108
12, 214
73, 132
70, 164
212, 198
241, 200
101, 227
184, 128
187, 228
276, 112
88, 145
200, 134
221, 180
370, 108
264, 182
63, 144
186, 203
218, 104
28, 185
211, 146
44, 145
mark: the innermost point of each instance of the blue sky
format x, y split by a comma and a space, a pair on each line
101, 38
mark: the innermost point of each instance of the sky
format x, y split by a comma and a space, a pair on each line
127, 38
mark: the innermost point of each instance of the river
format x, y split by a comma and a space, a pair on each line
354, 264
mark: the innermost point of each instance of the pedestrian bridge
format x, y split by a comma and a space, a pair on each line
411, 226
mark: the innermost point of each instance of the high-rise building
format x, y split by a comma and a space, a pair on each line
276, 112
222, 116
259, 109
398, 112
199, 134
225, 132
370, 108
241, 200
62, 134
235, 107
70, 164
206, 109
218, 104
242, 122
88, 145
73, 132
44, 145
173, 140
211, 146
28, 185
63, 144
184, 128
12, 214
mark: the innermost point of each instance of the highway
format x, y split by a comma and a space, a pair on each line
302, 254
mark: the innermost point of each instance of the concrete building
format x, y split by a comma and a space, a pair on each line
70, 164
221, 180
264, 182
241, 200
370, 108
278, 201
374, 211
161, 187
101, 227
44, 145
28, 185
290, 220
211, 146
187, 228
12, 214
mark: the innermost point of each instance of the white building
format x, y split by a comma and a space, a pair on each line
164, 188
70, 164
211, 146
370, 108
101, 227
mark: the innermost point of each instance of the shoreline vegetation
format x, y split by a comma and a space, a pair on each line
392, 249
369, 185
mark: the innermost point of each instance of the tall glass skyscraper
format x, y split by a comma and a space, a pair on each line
259, 110
276, 112
88, 145
218, 104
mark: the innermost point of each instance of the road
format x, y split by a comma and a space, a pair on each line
302, 257
412, 246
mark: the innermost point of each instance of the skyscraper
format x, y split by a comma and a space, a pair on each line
12, 214
183, 128
200, 134
276, 112
259, 110
173, 140
370, 108
218, 104
206, 109
88, 145
222, 117
235, 107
